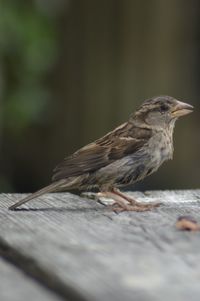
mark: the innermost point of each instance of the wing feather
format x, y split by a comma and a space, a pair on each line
124, 140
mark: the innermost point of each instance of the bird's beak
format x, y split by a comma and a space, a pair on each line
181, 109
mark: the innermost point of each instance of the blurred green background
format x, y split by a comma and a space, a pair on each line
72, 70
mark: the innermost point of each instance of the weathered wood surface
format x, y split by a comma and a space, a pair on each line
82, 251
16, 286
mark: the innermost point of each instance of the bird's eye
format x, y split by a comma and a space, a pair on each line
164, 108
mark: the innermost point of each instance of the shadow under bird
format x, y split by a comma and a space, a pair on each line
122, 157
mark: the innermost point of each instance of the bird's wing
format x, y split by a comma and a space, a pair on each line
124, 140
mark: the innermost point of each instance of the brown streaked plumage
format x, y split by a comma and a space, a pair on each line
125, 155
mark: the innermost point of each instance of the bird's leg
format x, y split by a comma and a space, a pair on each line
122, 199
121, 202
124, 196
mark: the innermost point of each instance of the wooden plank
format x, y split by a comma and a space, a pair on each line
108, 256
15, 286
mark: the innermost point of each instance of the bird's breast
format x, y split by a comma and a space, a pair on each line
147, 160
161, 146
158, 150
136, 166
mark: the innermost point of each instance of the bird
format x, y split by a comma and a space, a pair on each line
125, 155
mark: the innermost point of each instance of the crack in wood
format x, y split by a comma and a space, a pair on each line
31, 269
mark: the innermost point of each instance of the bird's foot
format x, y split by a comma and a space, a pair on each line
126, 203
139, 207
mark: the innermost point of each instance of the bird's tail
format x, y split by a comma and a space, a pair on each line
49, 188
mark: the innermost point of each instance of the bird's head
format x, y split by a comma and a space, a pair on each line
162, 111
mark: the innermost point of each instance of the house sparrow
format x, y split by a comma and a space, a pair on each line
122, 157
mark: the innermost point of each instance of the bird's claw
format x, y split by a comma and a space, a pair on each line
135, 207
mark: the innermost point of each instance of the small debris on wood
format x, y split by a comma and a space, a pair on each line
187, 223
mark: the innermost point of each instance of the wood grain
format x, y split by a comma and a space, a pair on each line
106, 256
15, 286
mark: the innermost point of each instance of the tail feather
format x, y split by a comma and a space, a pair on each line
49, 188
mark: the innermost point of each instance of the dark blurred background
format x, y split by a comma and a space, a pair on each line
72, 70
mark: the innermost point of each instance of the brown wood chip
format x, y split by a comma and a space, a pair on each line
187, 223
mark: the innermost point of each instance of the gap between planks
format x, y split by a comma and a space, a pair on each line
29, 267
